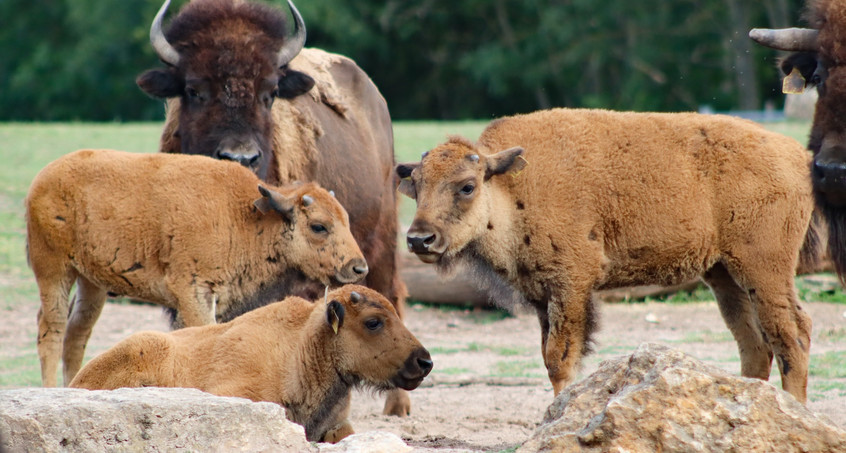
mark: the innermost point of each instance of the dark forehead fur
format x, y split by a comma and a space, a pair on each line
221, 24
829, 16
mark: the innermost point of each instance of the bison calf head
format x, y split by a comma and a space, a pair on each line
455, 199
227, 61
316, 238
819, 59
371, 345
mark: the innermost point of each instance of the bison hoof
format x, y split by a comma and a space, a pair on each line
397, 403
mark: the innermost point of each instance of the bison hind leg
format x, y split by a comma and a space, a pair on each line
54, 286
736, 307
85, 310
144, 359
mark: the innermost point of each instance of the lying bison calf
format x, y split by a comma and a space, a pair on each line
306, 356
610, 199
187, 232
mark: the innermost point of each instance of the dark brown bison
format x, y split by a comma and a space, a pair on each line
819, 59
550, 206
241, 89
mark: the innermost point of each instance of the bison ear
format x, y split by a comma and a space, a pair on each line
508, 161
335, 315
160, 83
293, 84
274, 201
406, 185
805, 62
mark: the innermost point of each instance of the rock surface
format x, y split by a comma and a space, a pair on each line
142, 419
659, 399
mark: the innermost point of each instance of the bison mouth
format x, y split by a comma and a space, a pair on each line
417, 366
429, 257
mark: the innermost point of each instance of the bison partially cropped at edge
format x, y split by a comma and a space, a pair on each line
819, 59
550, 206
187, 232
306, 356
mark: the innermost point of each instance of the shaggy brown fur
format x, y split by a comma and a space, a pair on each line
135, 224
287, 353
337, 133
610, 199
826, 69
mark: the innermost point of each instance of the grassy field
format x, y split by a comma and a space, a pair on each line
26, 148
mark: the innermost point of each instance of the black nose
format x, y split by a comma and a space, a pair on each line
425, 365
420, 244
247, 159
360, 270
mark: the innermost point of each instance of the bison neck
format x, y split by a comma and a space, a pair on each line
493, 257
317, 395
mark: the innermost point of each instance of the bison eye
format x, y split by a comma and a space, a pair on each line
192, 93
467, 189
318, 228
373, 324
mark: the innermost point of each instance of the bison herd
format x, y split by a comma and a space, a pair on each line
257, 253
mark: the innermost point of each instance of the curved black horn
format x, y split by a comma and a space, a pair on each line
789, 39
163, 48
295, 43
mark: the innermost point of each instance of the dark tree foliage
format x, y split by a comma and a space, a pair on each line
77, 59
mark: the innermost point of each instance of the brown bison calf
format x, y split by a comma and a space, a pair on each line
609, 199
306, 356
187, 232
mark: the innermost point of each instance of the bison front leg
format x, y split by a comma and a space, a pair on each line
568, 326
788, 330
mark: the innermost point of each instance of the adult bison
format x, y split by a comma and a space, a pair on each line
241, 89
819, 55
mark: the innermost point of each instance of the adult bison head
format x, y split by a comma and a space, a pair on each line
227, 61
818, 59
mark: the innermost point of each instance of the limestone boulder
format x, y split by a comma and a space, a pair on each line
660, 399
144, 420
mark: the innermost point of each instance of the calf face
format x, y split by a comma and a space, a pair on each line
371, 343
451, 187
318, 233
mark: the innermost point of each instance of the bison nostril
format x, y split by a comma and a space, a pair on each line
420, 243
247, 160
425, 364
360, 270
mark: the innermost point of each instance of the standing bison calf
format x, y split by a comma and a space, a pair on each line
306, 356
610, 199
187, 232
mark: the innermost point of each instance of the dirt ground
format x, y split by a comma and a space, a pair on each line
488, 390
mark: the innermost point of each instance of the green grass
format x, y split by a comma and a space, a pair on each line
505, 351
520, 368
829, 365
20, 371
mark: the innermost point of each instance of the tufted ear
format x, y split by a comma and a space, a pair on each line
294, 83
335, 315
406, 184
508, 161
274, 201
161, 83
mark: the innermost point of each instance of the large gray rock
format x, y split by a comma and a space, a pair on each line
143, 420
659, 399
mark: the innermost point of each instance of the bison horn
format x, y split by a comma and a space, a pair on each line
157, 38
295, 43
307, 200
789, 39
355, 297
